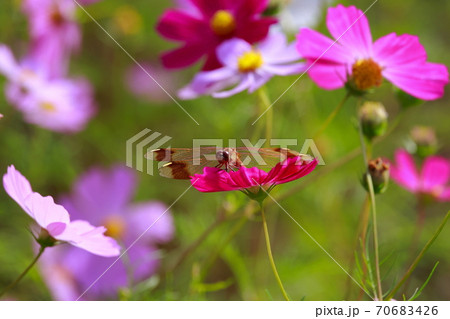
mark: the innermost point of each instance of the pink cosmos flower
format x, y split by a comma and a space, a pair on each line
54, 32
358, 61
56, 220
202, 30
246, 67
141, 85
434, 178
58, 104
105, 197
250, 180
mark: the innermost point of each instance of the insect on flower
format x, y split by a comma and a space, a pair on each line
183, 163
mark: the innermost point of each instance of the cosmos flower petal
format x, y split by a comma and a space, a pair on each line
393, 50
445, 195
213, 180
83, 235
46, 213
179, 25
328, 76
99, 192
435, 173
286, 69
351, 27
17, 187
183, 56
404, 171
8, 64
424, 81
150, 219
313, 45
218, 180
256, 30
245, 84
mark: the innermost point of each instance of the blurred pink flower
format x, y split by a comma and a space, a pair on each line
218, 180
55, 219
213, 22
54, 32
434, 178
143, 86
58, 104
357, 60
104, 197
246, 67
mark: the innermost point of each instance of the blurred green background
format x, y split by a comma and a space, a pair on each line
327, 207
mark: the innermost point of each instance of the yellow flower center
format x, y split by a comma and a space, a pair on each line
47, 106
115, 227
366, 74
223, 23
250, 61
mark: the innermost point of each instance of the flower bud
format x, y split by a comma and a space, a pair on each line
425, 141
373, 119
379, 171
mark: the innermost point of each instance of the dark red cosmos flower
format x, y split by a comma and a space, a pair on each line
205, 24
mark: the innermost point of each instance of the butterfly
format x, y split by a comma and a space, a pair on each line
183, 163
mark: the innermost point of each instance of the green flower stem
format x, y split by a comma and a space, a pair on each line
269, 252
375, 236
13, 284
331, 117
418, 258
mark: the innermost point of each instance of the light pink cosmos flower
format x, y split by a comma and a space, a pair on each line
141, 85
434, 178
56, 220
54, 32
105, 197
58, 104
249, 180
358, 61
246, 67
202, 29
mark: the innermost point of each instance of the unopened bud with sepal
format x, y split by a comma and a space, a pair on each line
379, 172
373, 119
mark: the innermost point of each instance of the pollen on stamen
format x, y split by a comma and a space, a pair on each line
250, 61
366, 74
223, 23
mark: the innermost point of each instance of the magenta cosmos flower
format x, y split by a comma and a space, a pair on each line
54, 32
434, 178
56, 220
105, 197
58, 104
202, 29
250, 180
358, 61
245, 67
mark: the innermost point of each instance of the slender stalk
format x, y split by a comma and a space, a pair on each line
269, 252
15, 282
265, 102
375, 236
418, 258
332, 115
